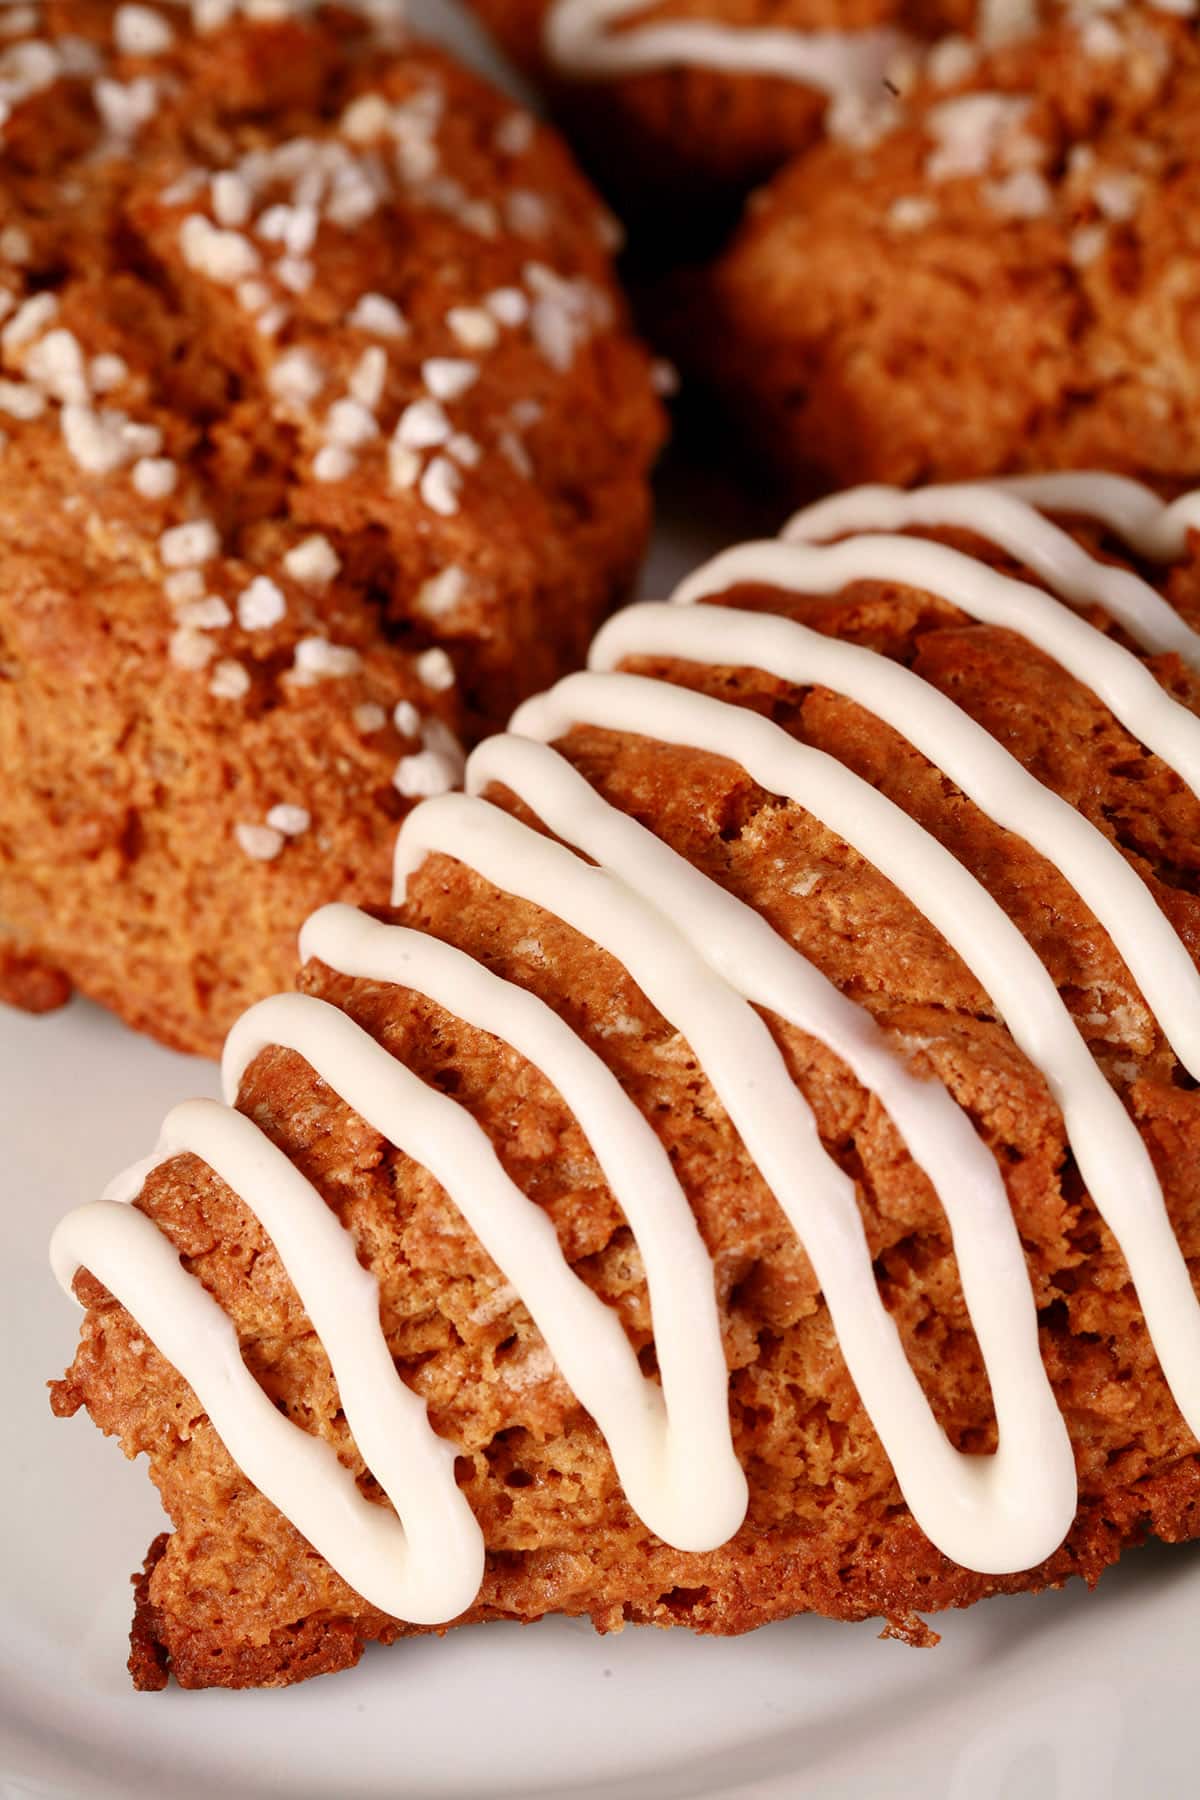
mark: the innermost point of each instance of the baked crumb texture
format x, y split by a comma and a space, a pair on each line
324, 439
999, 274
235, 1596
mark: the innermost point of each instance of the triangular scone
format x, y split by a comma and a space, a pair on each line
754, 957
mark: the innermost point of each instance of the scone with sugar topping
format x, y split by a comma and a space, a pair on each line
324, 440
753, 1169
1004, 279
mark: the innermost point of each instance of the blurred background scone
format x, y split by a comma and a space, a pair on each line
1005, 279
324, 440
976, 247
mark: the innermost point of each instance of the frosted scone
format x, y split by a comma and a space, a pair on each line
680, 107
1007, 279
754, 1167
324, 440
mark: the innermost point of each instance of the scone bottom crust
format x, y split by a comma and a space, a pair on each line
1022, 1415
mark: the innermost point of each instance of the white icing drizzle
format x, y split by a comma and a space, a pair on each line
985, 771
660, 1463
578, 41
1151, 526
708, 961
702, 971
1007, 517
1109, 1150
424, 1562
1125, 685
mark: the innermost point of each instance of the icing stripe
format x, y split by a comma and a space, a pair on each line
1112, 1158
578, 41
1126, 686
1005, 518
583, 1334
704, 1485
1152, 527
707, 961
996, 1514
424, 1562
985, 771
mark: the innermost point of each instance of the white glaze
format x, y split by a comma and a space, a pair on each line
1153, 527
707, 961
1112, 1158
1008, 518
985, 771
701, 958
578, 41
1125, 684
424, 1562
659, 1463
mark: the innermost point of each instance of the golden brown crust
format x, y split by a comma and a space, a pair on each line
30, 983
881, 317
827, 1528
159, 1650
119, 859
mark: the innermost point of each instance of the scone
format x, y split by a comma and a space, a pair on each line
1007, 279
325, 439
752, 1170
679, 108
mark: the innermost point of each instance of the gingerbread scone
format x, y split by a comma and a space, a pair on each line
325, 439
1006, 280
680, 107
752, 1170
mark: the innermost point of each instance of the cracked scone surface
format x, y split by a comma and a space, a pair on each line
250, 1602
1004, 281
325, 439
